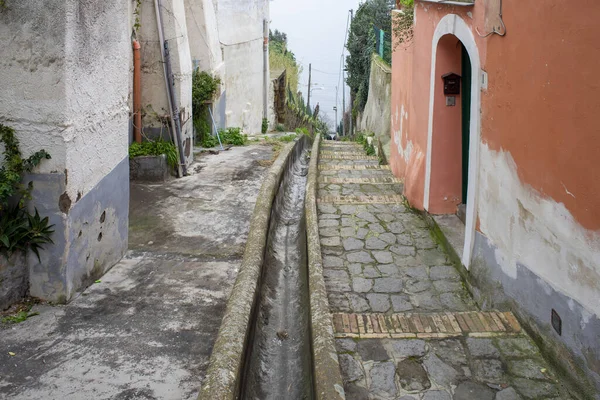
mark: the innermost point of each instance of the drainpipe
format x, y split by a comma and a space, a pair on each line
265, 68
137, 92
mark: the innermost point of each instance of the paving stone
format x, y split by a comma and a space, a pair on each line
383, 257
396, 227
401, 303
377, 228
436, 395
383, 378
389, 238
379, 302
451, 351
371, 272
357, 303
416, 272
417, 285
473, 391
508, 394
480, 347
444, 286
355, 392
350, 367
362, 233
389, 270
426, 301
407, 261
325, 223
359, 256
361, 285
431, 257
404, 239
387, 285
348, 209
425, 243
345, 345
454, 302
332, 262
516, 347
407, 398
403, 348
335, 274
535, 389
412, 376
355, 269
353, 244
440, 372
372, 350
385, 217
327, 209
332, 251
348, 222
331, 241
374, 243
347, 232
489, 371
446, 272
367, 216
403, 250
329, 216
338, 302
337, 285
528, 368
329, 232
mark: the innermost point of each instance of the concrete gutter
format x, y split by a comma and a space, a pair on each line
227, 360
326, 370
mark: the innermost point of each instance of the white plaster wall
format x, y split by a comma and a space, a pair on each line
240, 26
536, 231
203, 33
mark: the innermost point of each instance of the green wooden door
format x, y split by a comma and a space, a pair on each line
466, 120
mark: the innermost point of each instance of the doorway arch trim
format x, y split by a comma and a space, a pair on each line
452, 24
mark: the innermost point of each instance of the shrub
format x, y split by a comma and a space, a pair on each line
155, 148
280, 128
265, 125
19, 230
233, 136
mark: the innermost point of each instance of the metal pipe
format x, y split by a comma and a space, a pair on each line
266, 69
164, 55
137, 92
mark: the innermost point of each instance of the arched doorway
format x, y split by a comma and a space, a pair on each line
454, 127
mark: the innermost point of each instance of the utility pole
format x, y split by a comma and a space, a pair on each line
351, 105
309, 82
343, 99
265, 68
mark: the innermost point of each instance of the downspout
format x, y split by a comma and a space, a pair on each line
265, 69
137, 92
166, 60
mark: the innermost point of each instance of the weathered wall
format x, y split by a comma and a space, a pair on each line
64, 87
376, 116
241, 35
537, 245
154, 93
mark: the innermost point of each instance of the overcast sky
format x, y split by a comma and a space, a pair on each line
315, 31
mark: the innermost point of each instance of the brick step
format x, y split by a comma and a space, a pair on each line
342, 200
351, 166
339, 156
385, 180
426, 325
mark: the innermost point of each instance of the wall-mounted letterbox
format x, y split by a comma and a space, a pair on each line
451, 83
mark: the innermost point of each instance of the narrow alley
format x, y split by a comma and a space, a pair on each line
405, 325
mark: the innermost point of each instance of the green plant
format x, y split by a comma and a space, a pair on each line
155, 148
280, 128
265, 125
287, 138
204, 89
19, 230
402, 22
233, 136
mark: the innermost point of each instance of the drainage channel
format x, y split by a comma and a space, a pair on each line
278, 359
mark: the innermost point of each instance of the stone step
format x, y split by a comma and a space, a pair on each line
343, 153
385, 180
351, 166
343, 200
341, 156
426, 325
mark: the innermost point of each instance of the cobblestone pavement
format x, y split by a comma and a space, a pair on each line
406, 327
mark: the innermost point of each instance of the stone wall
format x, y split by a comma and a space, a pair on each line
376, 116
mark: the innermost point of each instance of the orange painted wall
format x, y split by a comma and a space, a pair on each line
541, 104
446, 156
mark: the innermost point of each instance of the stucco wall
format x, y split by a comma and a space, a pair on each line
154, 94
376, 117
537, 188
64, 87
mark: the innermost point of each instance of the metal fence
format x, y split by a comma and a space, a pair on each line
383, 44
